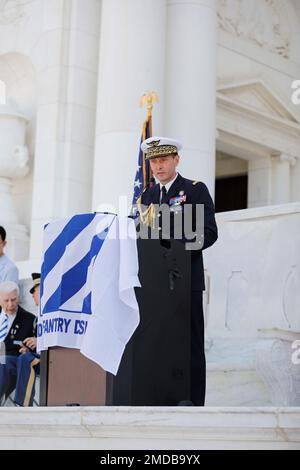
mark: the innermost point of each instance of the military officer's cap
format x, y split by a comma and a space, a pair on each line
36, 280
155, 147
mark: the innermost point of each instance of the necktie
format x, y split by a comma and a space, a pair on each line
3, 328
163, 194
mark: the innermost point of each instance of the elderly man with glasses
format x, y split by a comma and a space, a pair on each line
16, 324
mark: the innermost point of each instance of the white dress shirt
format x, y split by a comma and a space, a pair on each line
8, 270
167, 186
10, 320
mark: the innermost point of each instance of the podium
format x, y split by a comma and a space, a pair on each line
155, 367
68, 378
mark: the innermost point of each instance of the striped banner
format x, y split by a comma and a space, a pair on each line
81, 285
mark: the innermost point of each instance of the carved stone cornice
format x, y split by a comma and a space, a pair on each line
283, 157
12, 11
252, 112
262, 22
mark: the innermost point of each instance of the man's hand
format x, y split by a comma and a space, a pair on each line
28, 345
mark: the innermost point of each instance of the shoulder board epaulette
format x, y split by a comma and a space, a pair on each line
196, 182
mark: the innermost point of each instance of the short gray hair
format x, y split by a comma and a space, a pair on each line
9, 286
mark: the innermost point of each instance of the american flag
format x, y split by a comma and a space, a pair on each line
143, 174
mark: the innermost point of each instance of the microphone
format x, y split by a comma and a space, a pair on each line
151, 182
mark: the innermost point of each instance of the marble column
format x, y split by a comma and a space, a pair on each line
191, 84
131, 62
66, 97
259, 182
295, 181
13, 164
281, 188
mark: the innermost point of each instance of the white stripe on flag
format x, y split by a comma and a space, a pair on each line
74, 253
52, 234
75, 302
114, 305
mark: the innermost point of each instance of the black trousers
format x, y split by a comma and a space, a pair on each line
198, 364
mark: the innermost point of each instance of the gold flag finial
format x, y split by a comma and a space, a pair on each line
149, 98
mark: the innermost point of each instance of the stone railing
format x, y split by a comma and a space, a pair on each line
253, 315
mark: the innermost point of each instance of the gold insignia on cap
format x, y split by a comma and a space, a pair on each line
195, 182
160, 151
153, 143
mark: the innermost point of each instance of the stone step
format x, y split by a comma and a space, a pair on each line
150, 428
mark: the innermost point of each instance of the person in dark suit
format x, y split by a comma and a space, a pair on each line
29, 359
16, 324
178, 193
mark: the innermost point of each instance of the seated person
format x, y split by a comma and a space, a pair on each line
29, 361
16, 324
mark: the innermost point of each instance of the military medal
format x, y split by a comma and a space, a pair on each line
177, 200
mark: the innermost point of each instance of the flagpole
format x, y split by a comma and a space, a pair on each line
143, 176
148, 99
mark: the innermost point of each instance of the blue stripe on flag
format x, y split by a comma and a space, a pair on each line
87, 303
57, 248
74, 279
